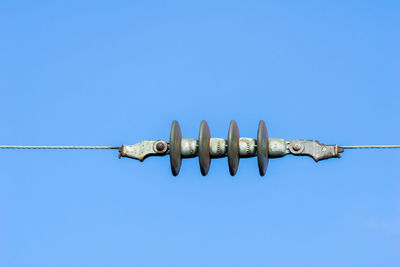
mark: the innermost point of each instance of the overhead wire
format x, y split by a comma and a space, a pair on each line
58, 147
371, 146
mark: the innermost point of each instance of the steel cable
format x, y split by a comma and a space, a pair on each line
59, 147
356, 147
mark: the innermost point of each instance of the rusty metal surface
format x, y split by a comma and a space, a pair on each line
144, 149
204, 148
314, 149
175, 148
233, 147
262, 147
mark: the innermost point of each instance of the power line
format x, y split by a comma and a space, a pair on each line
369, 146
59, 147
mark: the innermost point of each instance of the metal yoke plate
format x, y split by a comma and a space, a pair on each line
175, 148
233, 147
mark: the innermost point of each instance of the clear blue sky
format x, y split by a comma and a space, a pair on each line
118, 72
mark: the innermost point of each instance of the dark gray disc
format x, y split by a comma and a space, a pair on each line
262, 147
204, 148
175, 140
233, 147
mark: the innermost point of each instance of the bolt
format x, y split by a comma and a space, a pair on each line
160, 146
121, 151
296, 147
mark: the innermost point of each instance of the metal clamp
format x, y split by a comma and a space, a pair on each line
144, 149
314, 149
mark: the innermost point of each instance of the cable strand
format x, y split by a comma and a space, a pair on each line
59, 147
371, 147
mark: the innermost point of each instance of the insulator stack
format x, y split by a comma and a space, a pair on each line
207, 148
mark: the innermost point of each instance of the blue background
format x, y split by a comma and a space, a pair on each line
118, 72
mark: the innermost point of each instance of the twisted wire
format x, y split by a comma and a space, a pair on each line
371, 147
59, 147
